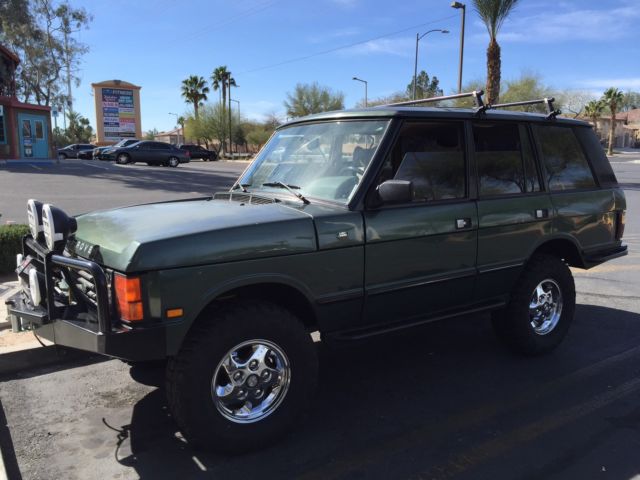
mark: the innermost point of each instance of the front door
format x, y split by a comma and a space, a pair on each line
33, 136
420, 257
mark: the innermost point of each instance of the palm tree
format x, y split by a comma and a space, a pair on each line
194, 90
593, 110
493, 13
221, 79
612, 98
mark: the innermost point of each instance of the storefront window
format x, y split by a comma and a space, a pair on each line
3, 138
39, 130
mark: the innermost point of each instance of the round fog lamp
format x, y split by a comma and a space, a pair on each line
57, 226
34, 287
34, 218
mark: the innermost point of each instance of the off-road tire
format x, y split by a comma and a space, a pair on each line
189, 376
513, 324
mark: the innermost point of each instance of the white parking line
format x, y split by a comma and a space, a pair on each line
95, 166
34, 166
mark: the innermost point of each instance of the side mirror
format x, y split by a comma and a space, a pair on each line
395, 191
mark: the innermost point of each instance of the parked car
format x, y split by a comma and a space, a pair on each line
198, 151
72, 151
125, 142
86, 154
149, 152
352, 223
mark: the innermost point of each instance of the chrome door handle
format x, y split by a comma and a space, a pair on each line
463, 223
542, 213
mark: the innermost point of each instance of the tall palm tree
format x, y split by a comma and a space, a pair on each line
221, 79
593, 110
612, 98
493, 13
194, 90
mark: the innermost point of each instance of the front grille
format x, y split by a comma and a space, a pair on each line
249, 198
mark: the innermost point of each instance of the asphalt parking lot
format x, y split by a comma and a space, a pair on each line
79, 186
443, 401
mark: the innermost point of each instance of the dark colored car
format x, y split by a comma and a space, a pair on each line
353, 224
73, 151
125, 142
86, 154
149, 152
198, 151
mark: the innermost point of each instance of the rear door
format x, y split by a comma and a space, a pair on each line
514, 212
584, 209
420, 257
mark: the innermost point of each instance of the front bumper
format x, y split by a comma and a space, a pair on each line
85, 324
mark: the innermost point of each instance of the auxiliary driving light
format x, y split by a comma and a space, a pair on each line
35, 286
34, 217
57, 227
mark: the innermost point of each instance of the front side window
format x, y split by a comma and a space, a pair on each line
565, 162
323, 160
431, 156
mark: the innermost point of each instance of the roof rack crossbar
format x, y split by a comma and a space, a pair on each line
551, 111
476, 94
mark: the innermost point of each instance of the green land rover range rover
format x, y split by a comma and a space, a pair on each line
352, 224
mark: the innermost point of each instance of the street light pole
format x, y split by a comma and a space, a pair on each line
366, 84
415, 66
181, 127
463, 7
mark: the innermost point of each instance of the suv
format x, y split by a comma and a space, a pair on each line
197, 151
354, 224
74, 150
151, 153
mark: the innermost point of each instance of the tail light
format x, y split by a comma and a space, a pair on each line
188, 153
128, 297
620, 221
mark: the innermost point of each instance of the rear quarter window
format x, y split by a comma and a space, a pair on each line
565, 162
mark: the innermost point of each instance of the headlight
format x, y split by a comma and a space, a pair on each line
19, 258
34, 217
57, 227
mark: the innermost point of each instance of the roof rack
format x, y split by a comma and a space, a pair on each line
552, 113
476, 94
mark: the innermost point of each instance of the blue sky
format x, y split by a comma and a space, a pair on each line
583, 45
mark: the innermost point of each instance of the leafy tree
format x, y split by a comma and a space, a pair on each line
40, 32
312, 98
593, 110
493, 13
630, 101
573, 101
528, 87
425, 87
258, 135
613, 98
210, 125
151, 134
221, 79
194, 90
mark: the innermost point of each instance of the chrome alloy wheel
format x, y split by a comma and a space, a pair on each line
251, 381
545, 307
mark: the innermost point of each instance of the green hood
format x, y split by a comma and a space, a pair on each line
194, 232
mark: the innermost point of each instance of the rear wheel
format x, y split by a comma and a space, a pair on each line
541, 308
173, 162
242, 378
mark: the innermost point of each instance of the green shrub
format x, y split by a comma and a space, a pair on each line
10, 245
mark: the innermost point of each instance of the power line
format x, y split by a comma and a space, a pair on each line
331, 50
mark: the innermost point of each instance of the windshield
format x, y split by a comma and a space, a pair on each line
322, 160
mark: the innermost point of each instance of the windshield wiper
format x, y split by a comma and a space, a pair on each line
289, 188
242, 186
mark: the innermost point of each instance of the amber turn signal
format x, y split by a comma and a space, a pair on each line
174, 312
129, 297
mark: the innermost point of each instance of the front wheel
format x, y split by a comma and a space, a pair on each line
122, 159
541, 308
242, 378
173, 162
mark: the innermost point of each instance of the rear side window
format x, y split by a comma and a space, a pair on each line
566, 165
504, 159
431, 156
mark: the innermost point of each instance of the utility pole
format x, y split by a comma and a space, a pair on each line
67, 57
463, 7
